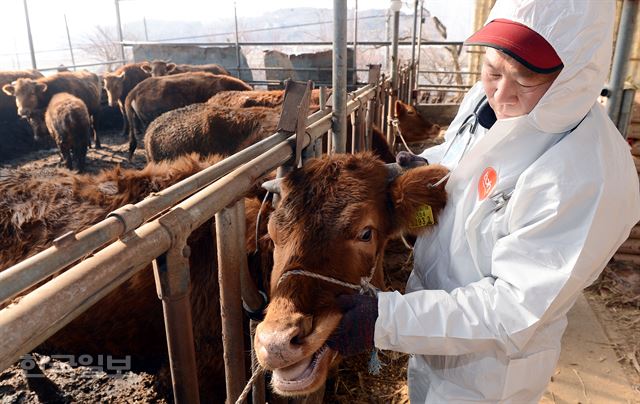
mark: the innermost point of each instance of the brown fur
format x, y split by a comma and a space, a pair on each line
33, 96
120, 83
37, 207
208, 130
272, 98
159, 68
325, 209
8, 110
68, 122
414, 128
157, 95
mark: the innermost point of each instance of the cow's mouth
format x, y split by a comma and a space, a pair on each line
305, 376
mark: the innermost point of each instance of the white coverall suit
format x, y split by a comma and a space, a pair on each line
538, 204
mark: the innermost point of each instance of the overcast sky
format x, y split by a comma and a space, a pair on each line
47, 17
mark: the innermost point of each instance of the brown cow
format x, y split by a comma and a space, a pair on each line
33, 96
412, 126
207, 130
214, 129
157, 95
118, 85
334, 219
159, 68
67, 121
38, 206
8, 110
271, 98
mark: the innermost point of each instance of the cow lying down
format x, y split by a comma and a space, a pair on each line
349, 203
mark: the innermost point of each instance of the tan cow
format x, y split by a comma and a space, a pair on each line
334, 219
158, 68
8, 110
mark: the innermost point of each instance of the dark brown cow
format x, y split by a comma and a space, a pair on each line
118, 85
207, 130
159, 68
67, 121
38, 206
8, 110
33, 96
157, 95
412, 126
334, 219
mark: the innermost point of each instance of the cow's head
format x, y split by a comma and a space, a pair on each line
28, 93
334, 219
114, 85
414, 127
158, 68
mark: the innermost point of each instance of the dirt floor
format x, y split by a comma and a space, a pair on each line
615, 298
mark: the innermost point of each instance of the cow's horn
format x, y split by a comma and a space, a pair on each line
272, 186
394, 170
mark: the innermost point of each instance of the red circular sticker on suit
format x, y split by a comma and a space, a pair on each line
486, 183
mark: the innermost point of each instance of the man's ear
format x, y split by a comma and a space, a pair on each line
9, 89
416, 201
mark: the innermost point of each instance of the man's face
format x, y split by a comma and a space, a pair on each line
512, 89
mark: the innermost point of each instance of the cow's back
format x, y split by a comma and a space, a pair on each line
84, 85
210, 68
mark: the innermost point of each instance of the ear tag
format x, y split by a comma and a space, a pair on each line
423, 218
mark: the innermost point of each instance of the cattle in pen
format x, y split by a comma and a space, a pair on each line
8, 110
33, 95
157, 95
119, 83
158, 68
412, 126
354, 194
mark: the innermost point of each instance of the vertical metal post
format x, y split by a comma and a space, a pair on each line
416, 80
171, 272
394, 50
414, 33
146, 33
387, 31
73, 59
235, 17
119, 24
621, 57
355, 46
339, 77
229, 254
323, 105
33, 53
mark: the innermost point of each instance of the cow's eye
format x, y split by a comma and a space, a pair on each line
365, 234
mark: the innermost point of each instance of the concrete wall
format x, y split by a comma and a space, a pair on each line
195, 55
323, 59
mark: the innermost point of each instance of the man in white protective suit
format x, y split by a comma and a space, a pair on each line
542, 192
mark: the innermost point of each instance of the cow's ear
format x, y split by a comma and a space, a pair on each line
401, 109
146, 67
41, 87
9, 89
170, 67
417, 202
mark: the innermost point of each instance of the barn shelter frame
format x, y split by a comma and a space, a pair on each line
156, 229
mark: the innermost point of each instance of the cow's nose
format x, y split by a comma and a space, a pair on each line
280, 345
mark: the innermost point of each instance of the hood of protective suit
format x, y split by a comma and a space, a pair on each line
575, 30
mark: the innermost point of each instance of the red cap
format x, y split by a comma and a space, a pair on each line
520, 42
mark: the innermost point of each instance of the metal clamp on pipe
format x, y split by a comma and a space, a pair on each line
130, 216
257, 314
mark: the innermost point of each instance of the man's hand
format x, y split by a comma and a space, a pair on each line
355, 332
409, 160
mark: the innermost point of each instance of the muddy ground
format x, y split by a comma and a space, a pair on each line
615, 298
